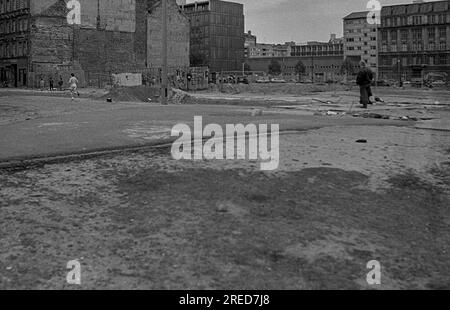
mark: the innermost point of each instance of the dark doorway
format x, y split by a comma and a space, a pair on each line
14, 74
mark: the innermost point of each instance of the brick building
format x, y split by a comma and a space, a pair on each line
360, 39
114, 36
217, 34
414, 39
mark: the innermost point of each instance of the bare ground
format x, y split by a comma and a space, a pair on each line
145, 221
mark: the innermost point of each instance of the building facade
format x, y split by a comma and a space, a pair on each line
413, 40
318, 69
249, 41
334, 47
217, 34
360, 39
178, 37
14, 42
257, 50
115, 36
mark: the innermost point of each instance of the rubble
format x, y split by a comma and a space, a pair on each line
178, 96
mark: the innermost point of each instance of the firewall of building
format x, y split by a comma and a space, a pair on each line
114, 36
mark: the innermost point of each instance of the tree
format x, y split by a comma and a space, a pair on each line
300, 69
348, 66
274, 67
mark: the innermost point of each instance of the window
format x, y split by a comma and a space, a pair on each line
431, 33
443, 32
417, 34
404, 35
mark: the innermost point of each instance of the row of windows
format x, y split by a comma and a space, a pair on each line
359, 39
415, 34
414, 47
359, 48
415, 20
13, 5
218, 19
358, 30
319, 48
13, 49
331, 53
214, 30
441, 59
16, 25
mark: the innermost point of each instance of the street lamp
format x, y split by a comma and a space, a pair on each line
164, 90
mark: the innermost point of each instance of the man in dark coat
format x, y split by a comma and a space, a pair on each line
364, 80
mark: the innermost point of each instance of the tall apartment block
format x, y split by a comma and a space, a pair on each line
360, 39
217, 34
414, 39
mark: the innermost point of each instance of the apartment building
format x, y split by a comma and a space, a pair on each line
414, 39
360, 39
217, 34
14, 38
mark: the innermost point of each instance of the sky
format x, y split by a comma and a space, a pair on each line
279, 21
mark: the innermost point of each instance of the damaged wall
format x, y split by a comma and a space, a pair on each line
178, 36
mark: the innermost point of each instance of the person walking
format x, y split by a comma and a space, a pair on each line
51, 83
60, 83
73, 82
42, 84
364, 80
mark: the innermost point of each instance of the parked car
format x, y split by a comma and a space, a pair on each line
263, 80
242, 80
438, 84
277, 80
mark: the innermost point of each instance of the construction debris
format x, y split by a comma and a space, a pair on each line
178, 96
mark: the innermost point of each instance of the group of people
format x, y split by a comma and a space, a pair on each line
73, 85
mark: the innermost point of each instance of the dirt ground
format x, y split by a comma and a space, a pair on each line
145, 221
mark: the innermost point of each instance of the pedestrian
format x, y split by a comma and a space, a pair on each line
60, 83
51, 82
42, 84
364, 80
73, 82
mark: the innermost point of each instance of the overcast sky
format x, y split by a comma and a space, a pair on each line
279, 21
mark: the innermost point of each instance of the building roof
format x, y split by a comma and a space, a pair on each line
357, 15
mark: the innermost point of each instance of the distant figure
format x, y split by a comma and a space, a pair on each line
60, 83
51, 82
42, 84
364, 80
73, 82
